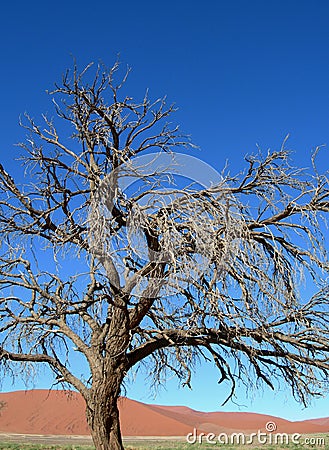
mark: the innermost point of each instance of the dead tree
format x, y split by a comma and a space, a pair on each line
219, 274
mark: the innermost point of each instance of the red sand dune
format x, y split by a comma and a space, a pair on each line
59, 412
320, 421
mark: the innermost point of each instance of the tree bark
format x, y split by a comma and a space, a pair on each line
103, 415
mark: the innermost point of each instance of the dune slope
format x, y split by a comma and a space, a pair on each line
62, 413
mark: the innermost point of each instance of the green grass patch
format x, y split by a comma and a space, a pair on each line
167, 445
20, 446
307, 442
178, 445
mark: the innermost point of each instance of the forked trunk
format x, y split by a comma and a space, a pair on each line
103, 420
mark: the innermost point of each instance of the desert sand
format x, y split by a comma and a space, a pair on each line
62, 413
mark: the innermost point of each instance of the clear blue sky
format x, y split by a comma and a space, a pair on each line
242, 73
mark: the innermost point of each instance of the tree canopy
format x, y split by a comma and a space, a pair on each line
105, 252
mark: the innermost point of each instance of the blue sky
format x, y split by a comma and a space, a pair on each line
241, 72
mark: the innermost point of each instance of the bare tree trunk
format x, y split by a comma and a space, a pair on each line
103, 416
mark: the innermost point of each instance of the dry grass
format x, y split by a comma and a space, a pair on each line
317, 442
